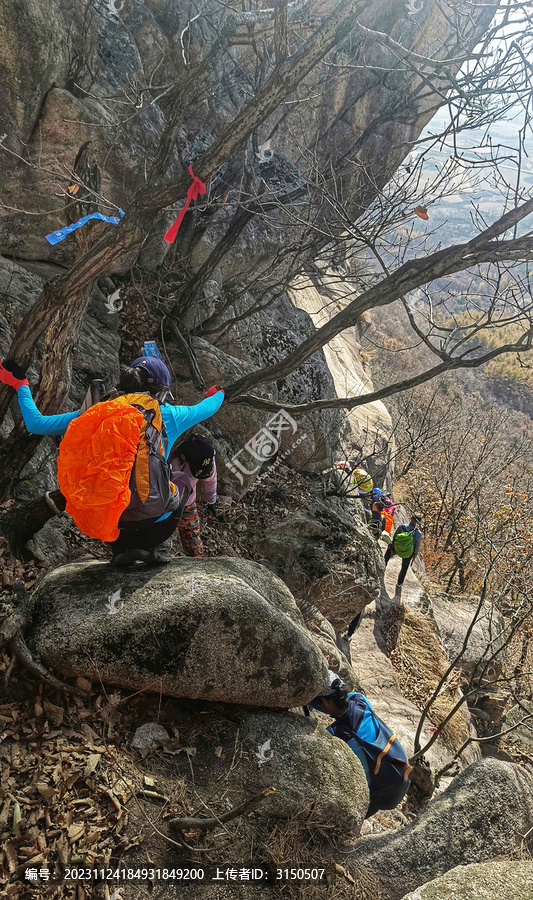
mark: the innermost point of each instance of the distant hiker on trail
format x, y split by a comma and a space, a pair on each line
362, 482
381, 755
377, 522
112, 465
406, 545
345, 466
389, 520
195, 456
387, 500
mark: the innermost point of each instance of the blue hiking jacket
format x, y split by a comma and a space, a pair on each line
177, 419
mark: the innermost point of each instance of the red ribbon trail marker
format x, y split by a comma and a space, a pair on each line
197, 187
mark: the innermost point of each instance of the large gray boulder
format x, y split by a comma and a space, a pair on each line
327, 555
503, 878
484, 813
307, 766
217, 629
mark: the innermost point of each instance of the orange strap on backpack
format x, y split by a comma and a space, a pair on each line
95, 460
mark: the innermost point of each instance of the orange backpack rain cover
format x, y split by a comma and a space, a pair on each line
388, 521
95, 460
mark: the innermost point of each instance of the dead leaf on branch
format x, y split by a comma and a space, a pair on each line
422, 212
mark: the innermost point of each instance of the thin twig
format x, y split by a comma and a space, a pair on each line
191, 824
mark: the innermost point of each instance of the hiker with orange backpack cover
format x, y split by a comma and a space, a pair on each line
148, 379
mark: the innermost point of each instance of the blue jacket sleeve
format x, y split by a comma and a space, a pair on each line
37, 423
178, 419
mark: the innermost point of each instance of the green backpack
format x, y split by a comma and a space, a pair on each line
404, 544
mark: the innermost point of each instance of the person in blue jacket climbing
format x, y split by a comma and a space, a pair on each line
381, 755
148, 375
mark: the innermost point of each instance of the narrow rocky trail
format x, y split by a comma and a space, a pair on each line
376, 674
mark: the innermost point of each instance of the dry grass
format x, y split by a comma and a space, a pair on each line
420, 662
305, 842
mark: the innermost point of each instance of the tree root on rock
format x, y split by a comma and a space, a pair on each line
20, 649
189, 824
11, 622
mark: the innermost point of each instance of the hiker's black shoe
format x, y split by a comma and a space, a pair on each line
148, 557
128, 558
160, 556
156, 557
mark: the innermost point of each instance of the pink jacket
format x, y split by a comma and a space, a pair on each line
210, 484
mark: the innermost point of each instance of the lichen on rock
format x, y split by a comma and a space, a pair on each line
218, 629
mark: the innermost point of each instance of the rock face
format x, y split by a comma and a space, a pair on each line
307, 766
481, 815
217, 629
523, 734
296, 550
370, 426
378, 681
505, 879
56, 101
453, 618
308, 442
324, 635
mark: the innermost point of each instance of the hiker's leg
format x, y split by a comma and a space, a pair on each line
403, 570
389, 552
144, 538
189, 529
353, 625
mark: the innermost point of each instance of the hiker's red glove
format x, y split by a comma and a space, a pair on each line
12, 374
213, 390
